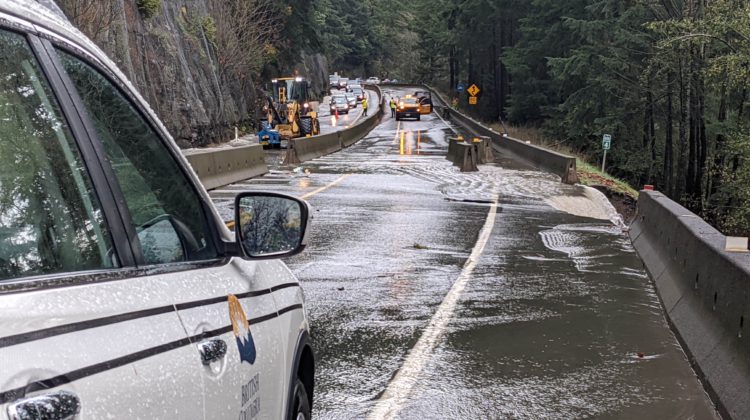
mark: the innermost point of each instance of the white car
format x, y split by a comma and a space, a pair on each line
373, 81
351, 99
122, 293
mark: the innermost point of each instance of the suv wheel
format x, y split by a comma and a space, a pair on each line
301, 402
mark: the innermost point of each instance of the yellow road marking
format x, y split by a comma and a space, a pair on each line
230, 223
325, 187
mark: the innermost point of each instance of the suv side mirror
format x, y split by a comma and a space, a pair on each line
270, 225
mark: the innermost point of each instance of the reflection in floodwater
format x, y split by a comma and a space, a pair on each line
408, 143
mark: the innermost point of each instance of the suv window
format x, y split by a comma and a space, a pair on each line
165, 208
50, 219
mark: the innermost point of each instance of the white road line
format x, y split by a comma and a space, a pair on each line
397, 392
325, 187
398, 128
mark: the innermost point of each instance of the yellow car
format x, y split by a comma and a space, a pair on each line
425, 101
408, 107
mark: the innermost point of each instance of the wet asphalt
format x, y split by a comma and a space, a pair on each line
557, 318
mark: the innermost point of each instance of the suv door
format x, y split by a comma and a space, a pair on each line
226, 306
80, 331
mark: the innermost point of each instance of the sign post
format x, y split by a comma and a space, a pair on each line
473, 91
606, 144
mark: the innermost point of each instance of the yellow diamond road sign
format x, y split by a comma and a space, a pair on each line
473, 90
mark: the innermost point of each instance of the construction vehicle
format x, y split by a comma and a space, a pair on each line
289, 110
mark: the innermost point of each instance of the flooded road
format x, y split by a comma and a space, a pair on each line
496, 294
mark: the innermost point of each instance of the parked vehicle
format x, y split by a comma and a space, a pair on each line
123, 292
425, 101
373, 81
289, 108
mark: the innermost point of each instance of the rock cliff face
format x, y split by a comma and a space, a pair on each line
171, 57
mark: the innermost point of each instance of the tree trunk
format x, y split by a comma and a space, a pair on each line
668, 148
693, 182
452, 66
496, 82
680, 181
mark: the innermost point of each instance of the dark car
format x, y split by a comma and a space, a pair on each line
340, 104
333, 81
359, 93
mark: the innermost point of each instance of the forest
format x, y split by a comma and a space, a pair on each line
668, 79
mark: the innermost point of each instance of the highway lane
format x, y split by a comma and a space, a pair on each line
329, 125
497, 294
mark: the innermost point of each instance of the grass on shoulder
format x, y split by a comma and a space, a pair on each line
591, 175
588, 174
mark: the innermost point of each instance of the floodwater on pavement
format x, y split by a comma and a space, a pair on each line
555, 317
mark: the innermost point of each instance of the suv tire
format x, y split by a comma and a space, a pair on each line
302, 409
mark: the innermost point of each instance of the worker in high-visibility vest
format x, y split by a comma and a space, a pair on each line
364, 106
393, 107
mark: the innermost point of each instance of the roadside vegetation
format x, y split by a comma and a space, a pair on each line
588, 173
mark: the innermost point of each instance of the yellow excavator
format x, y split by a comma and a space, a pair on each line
289, 110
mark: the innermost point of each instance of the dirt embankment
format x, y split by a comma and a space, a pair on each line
623, 203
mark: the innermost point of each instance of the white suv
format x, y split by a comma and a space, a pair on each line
122, 293
373, 81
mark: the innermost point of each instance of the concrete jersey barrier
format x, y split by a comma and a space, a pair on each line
216, 168
307, 148
705, 292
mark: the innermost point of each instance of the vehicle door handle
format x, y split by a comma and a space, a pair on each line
212, 350
60, 405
